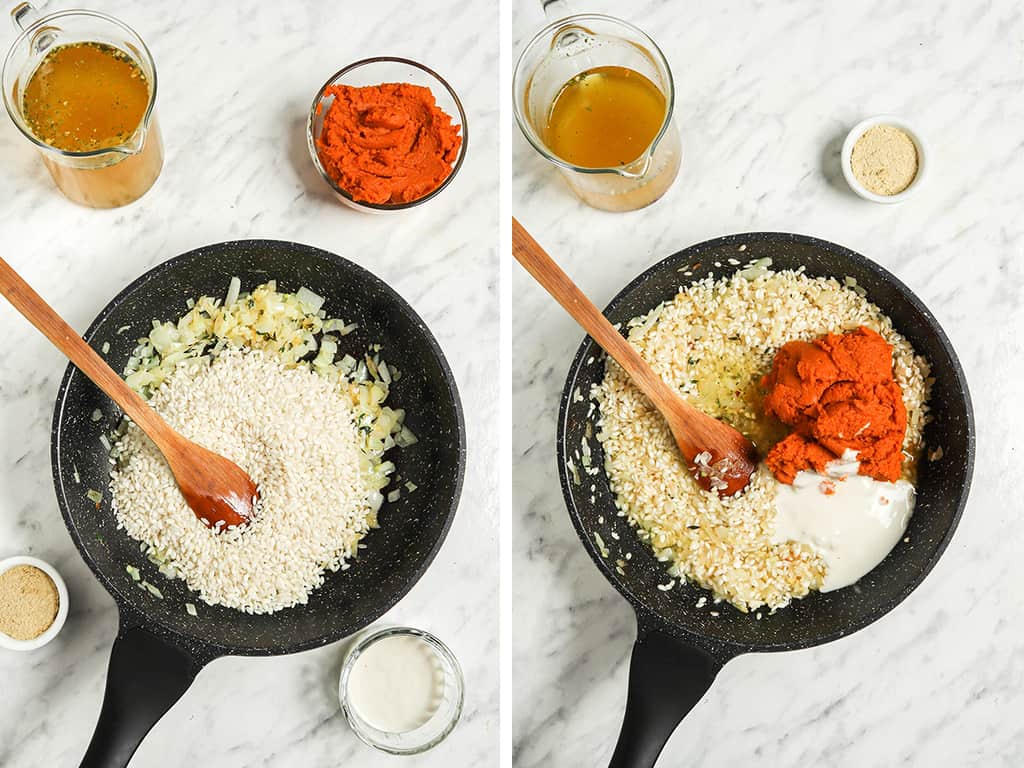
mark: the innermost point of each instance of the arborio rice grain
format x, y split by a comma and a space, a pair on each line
294, 433
713, 342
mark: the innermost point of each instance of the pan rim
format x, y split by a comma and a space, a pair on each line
725, 648
197, 646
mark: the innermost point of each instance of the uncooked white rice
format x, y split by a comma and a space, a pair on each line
293, 432
713, 342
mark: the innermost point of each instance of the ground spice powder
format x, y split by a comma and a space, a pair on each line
837, 393
884, 159
28, 602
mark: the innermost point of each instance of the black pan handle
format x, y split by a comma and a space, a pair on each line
146, 676
667, 677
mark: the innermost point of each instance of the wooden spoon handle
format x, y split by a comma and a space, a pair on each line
30, 304
545, 271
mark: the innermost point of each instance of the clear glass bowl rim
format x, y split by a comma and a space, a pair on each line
438, 647
311, 140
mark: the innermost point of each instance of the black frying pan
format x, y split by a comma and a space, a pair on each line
159, 647
679, 648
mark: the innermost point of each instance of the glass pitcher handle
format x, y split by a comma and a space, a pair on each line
555, 9
24, 15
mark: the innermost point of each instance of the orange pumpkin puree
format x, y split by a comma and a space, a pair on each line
836, 392
387, 143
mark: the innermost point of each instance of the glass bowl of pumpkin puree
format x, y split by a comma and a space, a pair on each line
387, 134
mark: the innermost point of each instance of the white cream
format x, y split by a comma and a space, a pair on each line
853, 528
396, 684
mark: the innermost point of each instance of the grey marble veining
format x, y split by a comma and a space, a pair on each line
766, 92
235, 84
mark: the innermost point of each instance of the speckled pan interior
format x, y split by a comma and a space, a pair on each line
412, 528
942, 488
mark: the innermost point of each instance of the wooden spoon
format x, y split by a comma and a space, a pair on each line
720, 458
217, 490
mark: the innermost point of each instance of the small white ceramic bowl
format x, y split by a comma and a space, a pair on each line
9, 642
858, 130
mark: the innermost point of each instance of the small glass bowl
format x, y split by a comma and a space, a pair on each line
9, 642
441, 722
375, 71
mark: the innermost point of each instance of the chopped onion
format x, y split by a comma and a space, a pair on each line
165, 338
347, 364
325, 357
755, 269
405, 438
168, 571
152, 590
375, 499
96, 415
312, 302
851, 283
234, 287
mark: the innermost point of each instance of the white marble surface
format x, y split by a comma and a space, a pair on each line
236, 81
766, 91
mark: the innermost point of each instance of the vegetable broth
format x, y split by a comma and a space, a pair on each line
605, 117
86, 96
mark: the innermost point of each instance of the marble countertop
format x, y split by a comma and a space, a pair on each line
766, 92
236, 81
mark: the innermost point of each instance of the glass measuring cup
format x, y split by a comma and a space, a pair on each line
103, 178
568, 47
